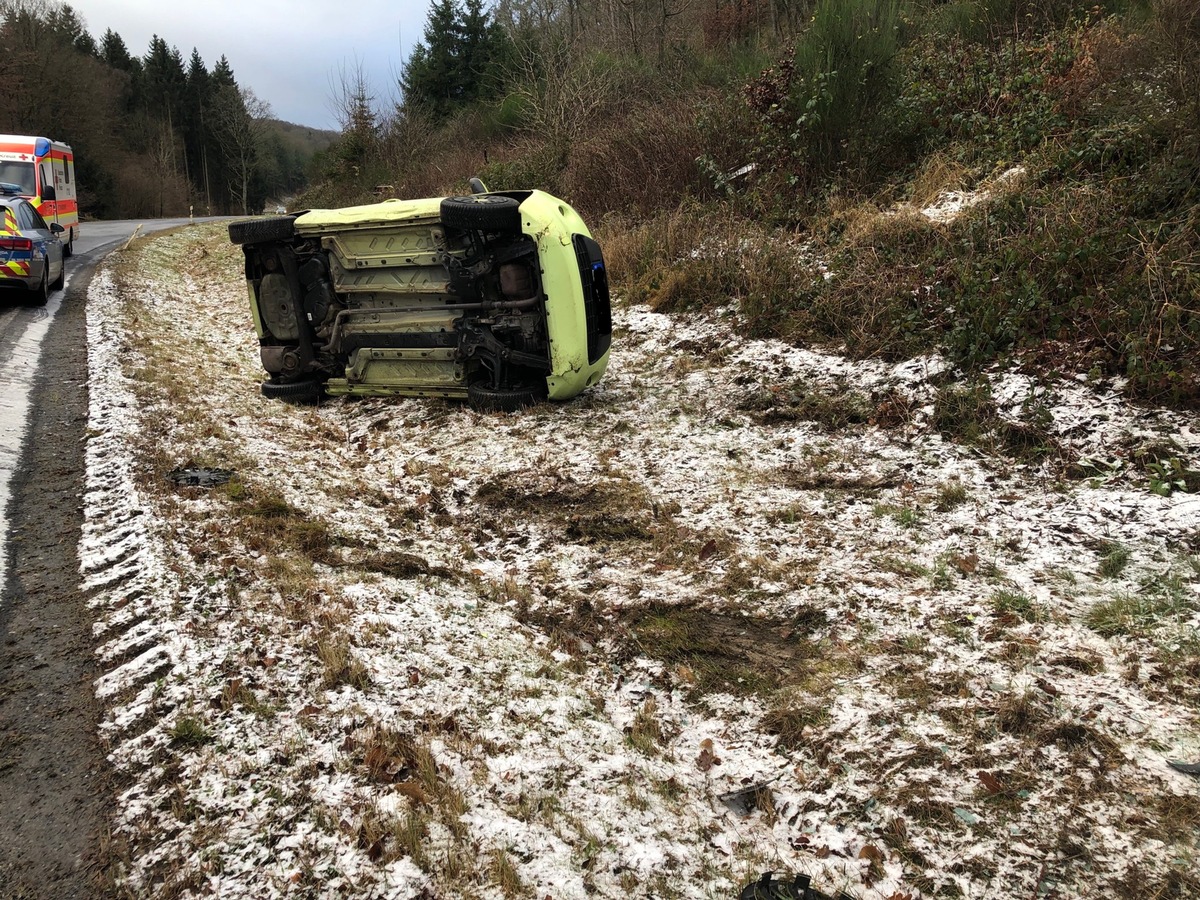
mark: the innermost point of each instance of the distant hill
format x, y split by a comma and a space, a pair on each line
302, 139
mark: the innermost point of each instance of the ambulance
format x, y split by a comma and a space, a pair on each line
45, 172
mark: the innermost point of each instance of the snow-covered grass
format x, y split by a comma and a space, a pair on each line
416, 651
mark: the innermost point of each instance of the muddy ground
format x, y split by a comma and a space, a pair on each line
54, 781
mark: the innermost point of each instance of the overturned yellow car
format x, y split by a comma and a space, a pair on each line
498, 298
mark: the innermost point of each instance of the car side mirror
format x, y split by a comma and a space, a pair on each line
55, 228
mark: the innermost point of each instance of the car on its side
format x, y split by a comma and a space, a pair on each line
31, 253
500, 298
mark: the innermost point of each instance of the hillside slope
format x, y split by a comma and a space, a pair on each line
741, 607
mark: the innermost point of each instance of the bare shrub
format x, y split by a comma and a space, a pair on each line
645, 161
524, 162
734, 21
561, 87
1178, 26
145, 197
638, 248
462, 150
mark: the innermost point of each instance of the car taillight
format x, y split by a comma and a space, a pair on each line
597, 305
15, 243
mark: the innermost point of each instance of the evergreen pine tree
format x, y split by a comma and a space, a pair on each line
460, 60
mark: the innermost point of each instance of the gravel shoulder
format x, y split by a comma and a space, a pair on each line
54, 781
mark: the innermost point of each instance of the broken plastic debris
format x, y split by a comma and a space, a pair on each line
1185, 768
966, 815
199, 477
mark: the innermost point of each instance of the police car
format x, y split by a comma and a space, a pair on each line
31, 253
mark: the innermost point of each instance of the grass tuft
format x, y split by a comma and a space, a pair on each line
831, 409
1160, 603
951, 494
1113, 560
341, 666
1008, 602
791, 718
189, 731
646, 734
502, 872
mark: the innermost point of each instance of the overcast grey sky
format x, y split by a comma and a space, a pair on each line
288, 52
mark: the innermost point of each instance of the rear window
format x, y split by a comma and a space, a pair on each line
25, 216
14, 172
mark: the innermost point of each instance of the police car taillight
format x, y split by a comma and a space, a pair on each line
15, 243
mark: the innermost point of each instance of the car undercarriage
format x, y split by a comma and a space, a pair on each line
441, 298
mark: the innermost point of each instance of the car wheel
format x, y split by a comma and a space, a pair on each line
485, 398
482, 212
69, 246
41, 293
303, 393
61, 281
258, 231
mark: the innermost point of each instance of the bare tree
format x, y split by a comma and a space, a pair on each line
162, 161
562, 89
1177, 23
26, 63
350, 99
239, 126
351, 103
532, 15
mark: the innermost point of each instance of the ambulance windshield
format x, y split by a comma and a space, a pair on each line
15, 172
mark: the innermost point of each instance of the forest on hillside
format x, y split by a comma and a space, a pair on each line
806, 135
153, 134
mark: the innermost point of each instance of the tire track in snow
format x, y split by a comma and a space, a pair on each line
127, 582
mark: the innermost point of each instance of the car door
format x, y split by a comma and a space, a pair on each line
51, 248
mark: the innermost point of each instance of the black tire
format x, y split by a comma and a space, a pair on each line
61, 281
482, 212
69, 246
259, 231
305, 392
485, 398
41, 293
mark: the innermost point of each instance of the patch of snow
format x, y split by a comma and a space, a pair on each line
949, 205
